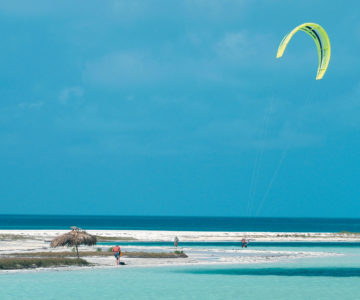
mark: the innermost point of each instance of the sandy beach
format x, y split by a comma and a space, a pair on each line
27, 241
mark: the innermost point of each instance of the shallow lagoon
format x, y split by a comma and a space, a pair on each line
308, 278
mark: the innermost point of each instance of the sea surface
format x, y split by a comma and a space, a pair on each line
305, 277
235, 245
180, 223
336, 277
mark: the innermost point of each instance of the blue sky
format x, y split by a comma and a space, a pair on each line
178, 108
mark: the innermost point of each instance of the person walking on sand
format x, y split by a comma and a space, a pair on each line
117, 252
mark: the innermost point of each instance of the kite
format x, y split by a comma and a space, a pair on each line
322, 42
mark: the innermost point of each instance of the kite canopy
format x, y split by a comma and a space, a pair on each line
322, 42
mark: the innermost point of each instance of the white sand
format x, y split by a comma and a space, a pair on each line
39, 240
186, 236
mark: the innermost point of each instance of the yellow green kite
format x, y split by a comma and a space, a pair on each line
322, 42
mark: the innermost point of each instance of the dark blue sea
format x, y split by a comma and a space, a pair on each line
180, 223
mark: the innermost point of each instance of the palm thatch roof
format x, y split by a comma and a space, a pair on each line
74, 238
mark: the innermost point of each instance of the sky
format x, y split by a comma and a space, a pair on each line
180, 108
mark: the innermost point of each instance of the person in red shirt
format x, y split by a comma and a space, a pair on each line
117, 251
244, 243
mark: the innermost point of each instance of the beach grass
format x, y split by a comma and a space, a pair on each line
14, 237
101, 238
349, 233
14, 263
32, 260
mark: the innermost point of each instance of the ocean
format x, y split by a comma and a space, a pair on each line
180, 223
296, 274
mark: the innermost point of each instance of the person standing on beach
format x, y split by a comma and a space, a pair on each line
176, 241
117, 252
244, 243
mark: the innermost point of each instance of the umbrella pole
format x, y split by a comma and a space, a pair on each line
77, 251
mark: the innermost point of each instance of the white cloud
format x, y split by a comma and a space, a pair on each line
23, 7
123, 69
342, 111
129, 9
249, 134
214, 9
244, 47
69, 92
33, 105
37, 8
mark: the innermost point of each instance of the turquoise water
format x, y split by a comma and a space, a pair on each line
252, 245
180, 223
336, 247
311, 278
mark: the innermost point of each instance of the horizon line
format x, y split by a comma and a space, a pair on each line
169, 216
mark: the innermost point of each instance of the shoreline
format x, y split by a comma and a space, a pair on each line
191, 236
30, 241
270, 257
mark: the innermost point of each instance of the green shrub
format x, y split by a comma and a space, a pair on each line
13, 263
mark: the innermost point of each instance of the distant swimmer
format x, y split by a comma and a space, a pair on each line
244, 243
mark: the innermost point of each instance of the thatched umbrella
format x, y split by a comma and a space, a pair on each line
73, 238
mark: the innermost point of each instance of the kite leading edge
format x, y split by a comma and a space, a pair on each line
322, 42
